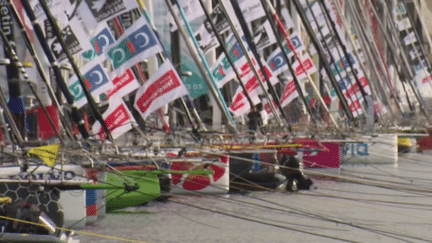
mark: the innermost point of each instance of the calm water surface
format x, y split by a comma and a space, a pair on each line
380, 203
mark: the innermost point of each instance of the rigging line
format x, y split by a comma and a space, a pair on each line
40, 69
382, 232
330, 55
399, 204
57, 32
264, 223
225, 51
76, 231
254, 205
272, 220
370, 193
204, 68
370, 182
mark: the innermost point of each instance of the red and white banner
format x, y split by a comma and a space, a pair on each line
163, 87
123, 85
240, 104
289, 94
117, 118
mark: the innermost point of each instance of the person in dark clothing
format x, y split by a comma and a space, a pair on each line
255, 121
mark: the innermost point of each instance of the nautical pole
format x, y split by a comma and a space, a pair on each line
42, 74
285, 56
332, 59
76, 115
203, 70
19, 66
415, 50
271, 11
251, 44
322, 59
15, 103
344, 49
92, 103
371, 51
361, 64
404, 60
184, 101
225, 51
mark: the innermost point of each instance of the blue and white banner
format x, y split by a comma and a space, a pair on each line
136, 44
96, 80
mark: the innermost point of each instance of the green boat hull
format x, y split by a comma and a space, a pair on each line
147, 189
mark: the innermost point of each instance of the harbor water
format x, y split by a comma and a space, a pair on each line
361, 203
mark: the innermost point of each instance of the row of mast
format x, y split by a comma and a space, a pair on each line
362, 51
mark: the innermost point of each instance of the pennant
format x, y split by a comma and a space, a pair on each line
96, 79
73, 35
46, 153
410, 38
240, 104
264, 36
192, 10
404, 24
94, 12
100, 39
206, 38
251, 9
123, 85
118, 119
222, 71
218, 18
61, 10
136, 44
289, 94
163, 87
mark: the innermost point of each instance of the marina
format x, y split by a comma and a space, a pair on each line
215, 121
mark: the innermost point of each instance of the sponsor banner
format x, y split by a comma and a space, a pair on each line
73, 35
117, 118
251, 9
286, 19
423, 79
219, 20
94, 12
404, 24
222, 71
289, 94
123, 84
410, 38
206, 38
61, 10
240, 104
276, 60
267, 108
192, 10
100, 39
371, 149
214, 183
136, 44
96, 80
264, 36
163, 87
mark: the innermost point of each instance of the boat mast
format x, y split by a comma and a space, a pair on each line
92, 103
205, 71
225, 51
285, 56
252, 46
76, 115
322, 59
